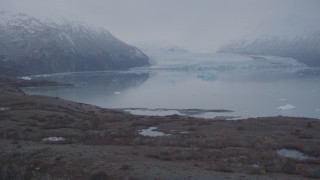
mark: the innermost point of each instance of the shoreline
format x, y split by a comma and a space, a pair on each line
88, 142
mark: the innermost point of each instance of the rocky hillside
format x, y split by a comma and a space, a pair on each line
305, 48
32, 46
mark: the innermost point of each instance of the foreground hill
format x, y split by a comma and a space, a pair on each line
305, 48
32, 46
50, 138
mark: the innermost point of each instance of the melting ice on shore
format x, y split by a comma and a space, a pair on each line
286, 107
54, 139
26, 78
294, 154
151, 132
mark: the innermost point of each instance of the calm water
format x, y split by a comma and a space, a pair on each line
250, 87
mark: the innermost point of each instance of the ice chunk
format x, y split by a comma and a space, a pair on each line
54, 139
286, 107
151, 132
207, 76
117, 92
293, 154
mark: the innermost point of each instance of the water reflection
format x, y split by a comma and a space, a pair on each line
249, 88
93, 88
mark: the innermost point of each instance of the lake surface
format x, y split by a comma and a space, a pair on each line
201, 85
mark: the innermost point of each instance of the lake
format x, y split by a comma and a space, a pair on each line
201, 85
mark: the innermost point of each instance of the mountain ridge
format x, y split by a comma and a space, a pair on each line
304, 48
32, 46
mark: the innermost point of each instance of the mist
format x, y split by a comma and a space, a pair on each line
199, 26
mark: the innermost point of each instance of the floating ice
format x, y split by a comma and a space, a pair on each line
207, 76
54, 139
293, 154
151, 132
286, 107
282, 99
117, 92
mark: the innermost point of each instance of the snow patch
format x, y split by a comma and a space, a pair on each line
152, 133
286, 107
294, 154
26, 78
53, 139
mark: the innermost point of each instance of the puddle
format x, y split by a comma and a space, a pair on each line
201, 113
53, 139
152, 133
294, 154
146, 112
286, 107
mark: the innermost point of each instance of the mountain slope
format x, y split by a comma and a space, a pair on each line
305, 49
32, 46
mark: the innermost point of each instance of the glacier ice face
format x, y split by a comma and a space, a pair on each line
205, 64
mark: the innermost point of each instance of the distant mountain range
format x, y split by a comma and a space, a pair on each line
305, 48
32, 46
150, 47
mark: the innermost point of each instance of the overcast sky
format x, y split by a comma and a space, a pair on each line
198, 25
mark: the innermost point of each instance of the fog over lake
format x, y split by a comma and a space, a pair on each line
249, 86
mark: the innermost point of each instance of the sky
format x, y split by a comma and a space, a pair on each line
197, 25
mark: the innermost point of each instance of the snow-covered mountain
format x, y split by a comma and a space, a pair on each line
32, 46
305, 49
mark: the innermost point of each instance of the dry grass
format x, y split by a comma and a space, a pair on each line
226, 146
